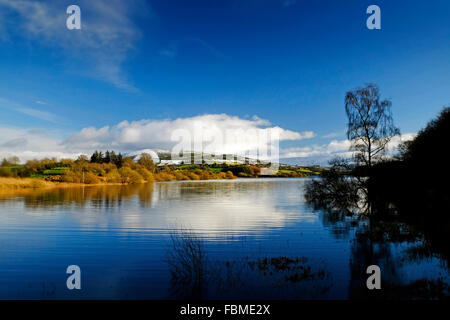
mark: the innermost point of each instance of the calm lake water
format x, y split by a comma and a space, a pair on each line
121, 237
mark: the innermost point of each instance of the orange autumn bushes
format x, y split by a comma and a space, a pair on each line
129, 172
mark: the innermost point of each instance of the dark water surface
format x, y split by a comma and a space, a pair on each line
120, 237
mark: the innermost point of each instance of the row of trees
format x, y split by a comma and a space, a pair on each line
117, 170
108, 157
96, 157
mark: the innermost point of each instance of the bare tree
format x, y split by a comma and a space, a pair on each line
11, 161
370, 124
82, 158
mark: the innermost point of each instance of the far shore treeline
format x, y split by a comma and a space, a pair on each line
113, 168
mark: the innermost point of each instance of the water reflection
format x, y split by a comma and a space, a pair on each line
260, 240
95, 196
396, 246
211, 208
391, 239
194, 275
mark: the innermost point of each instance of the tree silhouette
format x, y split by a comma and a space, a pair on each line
370, 124
119, 160
95, 157
107, 158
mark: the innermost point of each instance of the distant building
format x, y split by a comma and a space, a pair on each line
170, 162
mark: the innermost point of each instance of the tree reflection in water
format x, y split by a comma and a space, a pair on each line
107, 196
350, 201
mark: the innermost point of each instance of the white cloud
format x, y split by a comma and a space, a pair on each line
333, 148
395, 141
158, 134
338, 148
107, 34
131, 137
31, 144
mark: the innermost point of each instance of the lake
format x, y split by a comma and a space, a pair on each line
259, 240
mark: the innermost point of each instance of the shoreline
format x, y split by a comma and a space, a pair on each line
19, 185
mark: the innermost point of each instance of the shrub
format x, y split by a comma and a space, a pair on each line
243, 175
96, 168
5, 172
113, 176
146, 175
108, 167
193, 176
164, 176
90, 178
71, 176
180, 175
221, 175
147, 161
203, 175
128, 162
230, 175
130, 176
25, 172
254, 171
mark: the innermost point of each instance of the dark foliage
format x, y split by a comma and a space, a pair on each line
417, 184
110, 157
429, 146
335, 190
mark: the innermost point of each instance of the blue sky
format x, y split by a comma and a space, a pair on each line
289, 62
